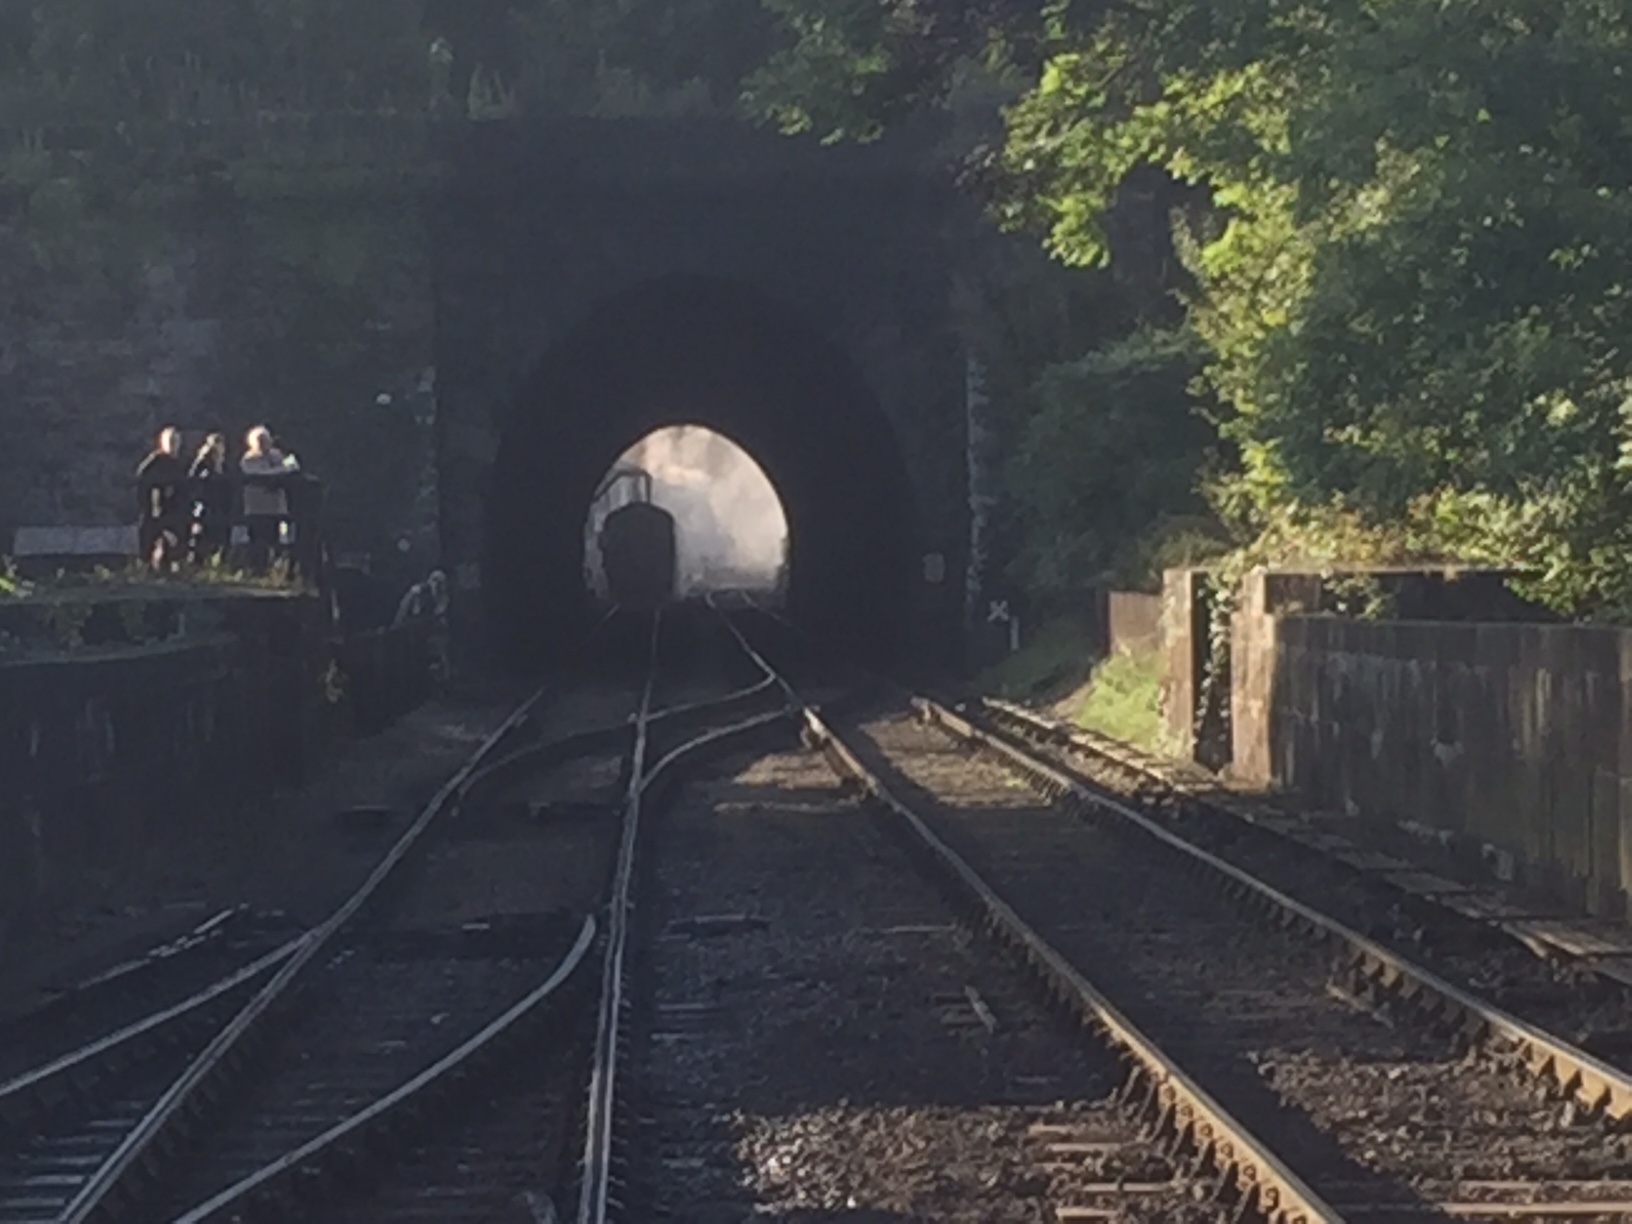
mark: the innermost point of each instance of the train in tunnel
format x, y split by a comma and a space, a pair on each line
638, 554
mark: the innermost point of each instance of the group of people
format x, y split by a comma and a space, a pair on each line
187, 510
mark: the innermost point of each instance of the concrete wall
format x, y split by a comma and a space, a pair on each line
221, 299
1133, 621
1516, 735
1269, 596
1464, 711
116, 757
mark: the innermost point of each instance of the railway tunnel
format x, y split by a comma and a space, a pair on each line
702, 351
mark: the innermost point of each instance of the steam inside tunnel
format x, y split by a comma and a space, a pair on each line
724, 359
731, 531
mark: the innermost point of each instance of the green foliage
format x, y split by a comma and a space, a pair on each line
848, 68
83, 586
66, 622
1053, 662
1124, 699
1110, 450
1410, 270
187, 89
1119, 696
1412, 286
623, 57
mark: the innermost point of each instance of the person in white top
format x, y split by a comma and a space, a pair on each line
262, 456
266, 504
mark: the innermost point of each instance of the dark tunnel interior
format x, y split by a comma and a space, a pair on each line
703, 351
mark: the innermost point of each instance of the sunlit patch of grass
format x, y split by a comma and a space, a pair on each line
1050, 665
1118, 696
136, 578
1124, 699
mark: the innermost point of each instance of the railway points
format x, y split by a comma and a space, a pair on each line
847, 953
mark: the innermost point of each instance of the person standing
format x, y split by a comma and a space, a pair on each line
161, 484
211, 495
262, 456
265, 498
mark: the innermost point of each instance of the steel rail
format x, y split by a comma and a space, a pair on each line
772, 676
86, 995
596, 1178
241, 1197
14, 1091
711, 705
595, 1201
205, 932
1593, 1083
1187, 1115
101, 1195
501, 771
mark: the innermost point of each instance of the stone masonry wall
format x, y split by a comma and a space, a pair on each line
115, 759
541, 225
1518, 736
119, 758
303, 304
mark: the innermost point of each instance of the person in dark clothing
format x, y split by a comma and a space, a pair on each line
161, 483
210, 489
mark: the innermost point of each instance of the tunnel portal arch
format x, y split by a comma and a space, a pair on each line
692, 349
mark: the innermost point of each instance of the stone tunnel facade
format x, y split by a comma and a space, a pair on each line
425, 330
792, 297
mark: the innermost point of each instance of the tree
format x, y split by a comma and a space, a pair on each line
1409, 261
1108, 455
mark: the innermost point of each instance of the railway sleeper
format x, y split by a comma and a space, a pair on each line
1597, 1088
1166, 1116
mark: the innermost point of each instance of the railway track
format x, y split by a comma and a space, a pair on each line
778, 1012
812, 1031
665, 744
119, 1145
805, 1028
319, 1076
540, 821
1563, 976
1381, 1121
140, 986
1253, 1048
124, 1019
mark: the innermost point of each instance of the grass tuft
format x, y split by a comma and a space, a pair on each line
1119, 696
1124, 699
1052, 665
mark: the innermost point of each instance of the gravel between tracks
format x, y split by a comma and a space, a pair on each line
1592, 1012
501, 1154
382, 1009
1365, 1112
294, 855
807, 1045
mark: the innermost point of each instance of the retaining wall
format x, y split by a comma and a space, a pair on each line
113, 758
1515, 735
1133, 621
107, 757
